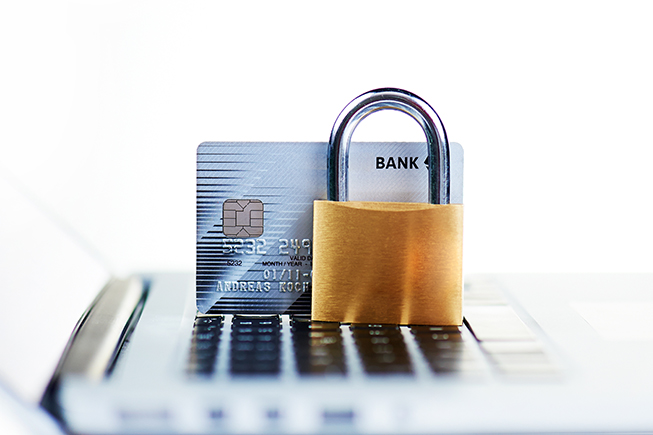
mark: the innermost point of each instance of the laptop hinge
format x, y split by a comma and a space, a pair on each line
99, 334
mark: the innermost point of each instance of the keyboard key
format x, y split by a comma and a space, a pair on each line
256, 345
318, 347
204, 346
515, 358
421, 329
382, 349
446, 351
497, 323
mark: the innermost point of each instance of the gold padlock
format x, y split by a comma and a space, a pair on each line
387, 263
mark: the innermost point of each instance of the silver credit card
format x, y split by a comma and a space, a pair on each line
255, 214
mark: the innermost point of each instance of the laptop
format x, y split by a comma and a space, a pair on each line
85, 352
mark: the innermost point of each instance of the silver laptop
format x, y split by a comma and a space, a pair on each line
96, 354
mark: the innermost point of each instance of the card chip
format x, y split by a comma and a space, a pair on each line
242, 218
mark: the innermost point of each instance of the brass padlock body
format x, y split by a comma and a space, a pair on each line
396, 263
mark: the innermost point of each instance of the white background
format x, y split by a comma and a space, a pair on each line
103, 104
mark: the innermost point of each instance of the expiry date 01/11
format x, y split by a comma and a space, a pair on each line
289, 280
256, 246
278, 274
286, 274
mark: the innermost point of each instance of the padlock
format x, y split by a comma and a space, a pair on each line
387, 263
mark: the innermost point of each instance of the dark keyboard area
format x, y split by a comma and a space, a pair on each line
382, 349
445, 350
204, 345
255, 345
318, 347
296, 346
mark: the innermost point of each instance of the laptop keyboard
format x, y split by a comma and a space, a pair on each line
495, 342
319, 348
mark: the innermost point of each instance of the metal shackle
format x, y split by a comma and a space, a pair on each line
393, 99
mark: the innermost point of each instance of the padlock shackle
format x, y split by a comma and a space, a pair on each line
393, 99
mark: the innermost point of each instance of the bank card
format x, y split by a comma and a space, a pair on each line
255, 214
